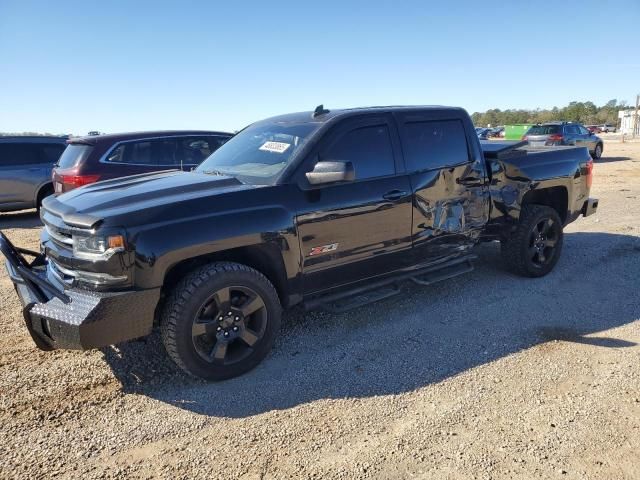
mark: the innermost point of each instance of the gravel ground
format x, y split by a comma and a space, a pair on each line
486, 376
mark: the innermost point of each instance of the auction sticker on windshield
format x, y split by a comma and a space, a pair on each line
275, 147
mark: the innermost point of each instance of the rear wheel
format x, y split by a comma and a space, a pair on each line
44, 192
597, 153
221, 321
534, 248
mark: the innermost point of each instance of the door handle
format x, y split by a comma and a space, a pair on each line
395, 195
470, 181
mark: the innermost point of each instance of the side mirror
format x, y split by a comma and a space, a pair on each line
331, 172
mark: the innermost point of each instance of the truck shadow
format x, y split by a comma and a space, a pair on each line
21, 219
424, 336
611, 159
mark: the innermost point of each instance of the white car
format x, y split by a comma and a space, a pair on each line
607, 127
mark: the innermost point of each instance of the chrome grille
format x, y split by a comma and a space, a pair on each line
59, 237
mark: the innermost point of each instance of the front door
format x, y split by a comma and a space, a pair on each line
362, 228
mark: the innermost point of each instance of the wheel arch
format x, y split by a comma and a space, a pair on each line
554, 197
41, 190
264, 258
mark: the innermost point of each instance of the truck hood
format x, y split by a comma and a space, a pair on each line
131, 199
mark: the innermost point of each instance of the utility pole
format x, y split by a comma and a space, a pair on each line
635, 117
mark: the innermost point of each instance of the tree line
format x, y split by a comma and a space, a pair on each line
586, 113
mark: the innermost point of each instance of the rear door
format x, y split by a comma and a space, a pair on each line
586, 138
572, 135
362, 228
449, 184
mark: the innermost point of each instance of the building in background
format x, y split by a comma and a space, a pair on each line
627, 118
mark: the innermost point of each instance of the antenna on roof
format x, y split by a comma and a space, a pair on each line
320, 110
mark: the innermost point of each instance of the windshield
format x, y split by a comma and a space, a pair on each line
73, 154
260, 152
544, 130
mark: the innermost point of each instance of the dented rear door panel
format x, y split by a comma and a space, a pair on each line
450, 209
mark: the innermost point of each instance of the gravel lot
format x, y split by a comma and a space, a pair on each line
487, 376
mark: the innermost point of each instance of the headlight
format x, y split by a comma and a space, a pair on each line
97, 247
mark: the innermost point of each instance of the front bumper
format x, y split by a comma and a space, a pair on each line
74, 318
590, 207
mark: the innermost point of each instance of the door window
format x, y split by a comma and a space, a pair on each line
367, 148
583, 131
195, 150
434, 144
163, 152
16, 154
50, 152
572, 130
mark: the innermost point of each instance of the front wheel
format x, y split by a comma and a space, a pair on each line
533, 249
221, 321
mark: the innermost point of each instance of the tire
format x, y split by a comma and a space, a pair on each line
42, 194
534, 248
195, 321
597, 153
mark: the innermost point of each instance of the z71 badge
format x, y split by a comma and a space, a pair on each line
323, 249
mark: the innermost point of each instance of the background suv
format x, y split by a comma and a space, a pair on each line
100, 157
25, 169
563, 133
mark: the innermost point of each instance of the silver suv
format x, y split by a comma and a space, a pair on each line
25, 170
564, 133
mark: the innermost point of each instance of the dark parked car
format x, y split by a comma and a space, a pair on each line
25, 169
328, 209
563, 133
496, 132
483, 133
101, 157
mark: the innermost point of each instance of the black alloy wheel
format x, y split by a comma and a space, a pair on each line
533, 248
542, 242
228, 325
220, 320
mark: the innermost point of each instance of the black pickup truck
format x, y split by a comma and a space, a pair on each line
331, 209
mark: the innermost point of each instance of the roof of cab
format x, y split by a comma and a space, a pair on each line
306, 117
119, 137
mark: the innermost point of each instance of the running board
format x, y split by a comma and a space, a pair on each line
436, 276
373, 292
359, 300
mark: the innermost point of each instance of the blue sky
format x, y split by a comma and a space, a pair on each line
142, 65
